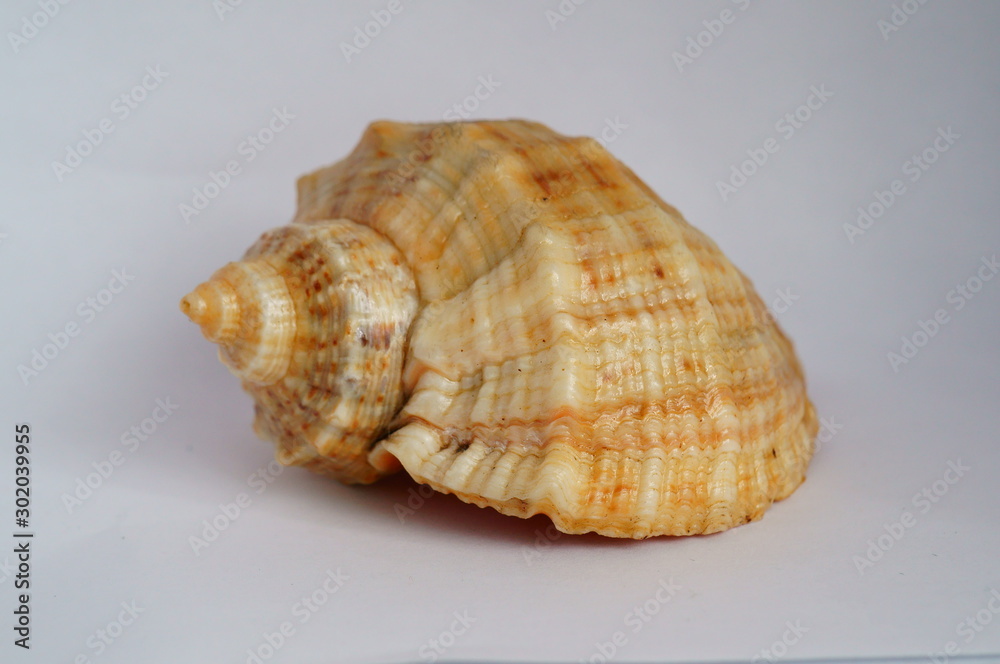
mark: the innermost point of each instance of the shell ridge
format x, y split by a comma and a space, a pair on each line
512, 316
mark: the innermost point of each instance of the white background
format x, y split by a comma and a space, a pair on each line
890, 433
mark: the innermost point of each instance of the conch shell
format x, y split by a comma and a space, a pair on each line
512, 316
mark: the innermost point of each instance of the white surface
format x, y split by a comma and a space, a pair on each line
784, 227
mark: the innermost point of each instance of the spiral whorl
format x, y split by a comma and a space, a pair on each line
314, 320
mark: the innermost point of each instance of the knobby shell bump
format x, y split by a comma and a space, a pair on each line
512, 316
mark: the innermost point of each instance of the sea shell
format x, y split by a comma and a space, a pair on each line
512, 316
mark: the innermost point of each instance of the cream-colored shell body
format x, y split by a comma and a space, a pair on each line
513, 317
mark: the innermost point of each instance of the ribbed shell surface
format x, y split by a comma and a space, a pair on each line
580, 350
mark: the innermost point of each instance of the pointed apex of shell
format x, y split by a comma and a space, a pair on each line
214, 307
246, 308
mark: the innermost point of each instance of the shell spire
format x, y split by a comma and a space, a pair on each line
214, 308
247, 309
314, 321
